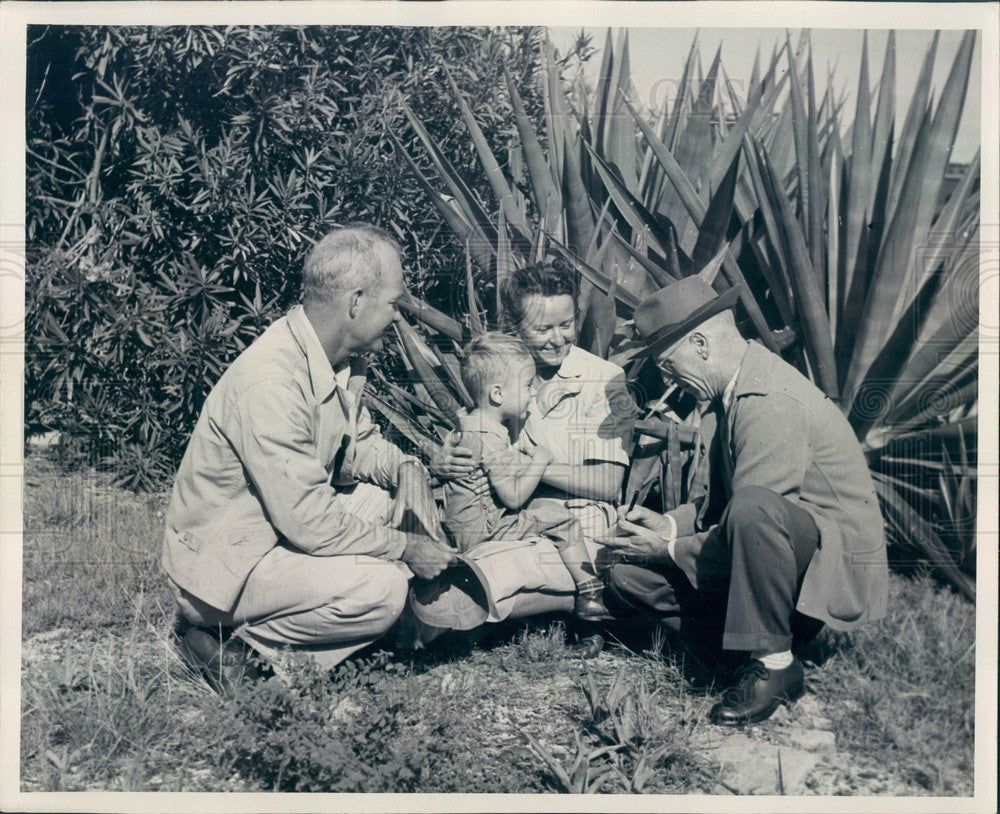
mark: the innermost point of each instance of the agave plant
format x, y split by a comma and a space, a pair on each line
857, 259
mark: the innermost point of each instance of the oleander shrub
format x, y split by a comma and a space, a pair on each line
176, 178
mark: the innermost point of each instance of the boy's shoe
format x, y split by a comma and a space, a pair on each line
591, 608
589, 604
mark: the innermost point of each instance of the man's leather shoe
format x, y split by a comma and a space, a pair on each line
758, 693
225, 665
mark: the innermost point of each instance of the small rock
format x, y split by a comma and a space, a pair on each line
819, 722
813, 740
751, 766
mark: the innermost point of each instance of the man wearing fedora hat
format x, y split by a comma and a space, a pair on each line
788, 534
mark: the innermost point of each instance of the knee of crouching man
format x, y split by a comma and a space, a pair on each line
389, 589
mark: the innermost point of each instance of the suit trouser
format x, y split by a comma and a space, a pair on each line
763, 545
328, 607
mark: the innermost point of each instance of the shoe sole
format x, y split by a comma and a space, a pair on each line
764, 714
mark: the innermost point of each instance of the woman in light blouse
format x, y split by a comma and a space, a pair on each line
583, 410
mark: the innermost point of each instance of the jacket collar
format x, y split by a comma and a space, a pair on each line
754, 377
321, 375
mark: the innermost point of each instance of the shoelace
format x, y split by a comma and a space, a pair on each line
745, 677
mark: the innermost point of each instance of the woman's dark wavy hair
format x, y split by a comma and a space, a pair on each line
550, 279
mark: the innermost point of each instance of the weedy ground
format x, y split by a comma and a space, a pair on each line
108, 705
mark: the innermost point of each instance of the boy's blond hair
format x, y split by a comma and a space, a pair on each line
488, 359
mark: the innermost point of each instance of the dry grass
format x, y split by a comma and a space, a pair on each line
107, 704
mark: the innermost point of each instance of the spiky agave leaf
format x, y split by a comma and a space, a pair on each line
891, 288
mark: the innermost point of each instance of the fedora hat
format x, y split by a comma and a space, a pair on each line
664, 317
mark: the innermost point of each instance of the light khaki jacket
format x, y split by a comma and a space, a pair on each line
278, 435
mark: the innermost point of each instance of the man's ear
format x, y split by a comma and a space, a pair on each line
700, 343
354, 302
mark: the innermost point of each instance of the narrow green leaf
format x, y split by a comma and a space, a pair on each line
418, 354
813, 200
916, 529
494, 175
579, 218
598, 324
505, 258
809, 298
678, 115
459, 225
449, 364
433, 318
715, 223
619, 146
547, 198
635, 214
800, 133
947, 226
860, 181
409, 428
465, 198
914, 117
891, 290
475, 320
601, 281
885, 111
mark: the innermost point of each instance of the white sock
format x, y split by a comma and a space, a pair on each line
775, 661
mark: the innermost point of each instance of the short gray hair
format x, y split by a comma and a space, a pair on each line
488, 359
351, 256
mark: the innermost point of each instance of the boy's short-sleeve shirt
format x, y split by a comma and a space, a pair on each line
468, 515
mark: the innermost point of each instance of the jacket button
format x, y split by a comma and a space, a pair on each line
186, 537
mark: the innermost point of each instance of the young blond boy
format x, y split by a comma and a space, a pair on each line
499, 374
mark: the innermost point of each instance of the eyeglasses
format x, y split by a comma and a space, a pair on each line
664, 364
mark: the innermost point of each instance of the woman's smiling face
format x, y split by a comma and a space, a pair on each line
548, 327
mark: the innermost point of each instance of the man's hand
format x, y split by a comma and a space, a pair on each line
413, 492
426, 557
642, 535
452, 461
